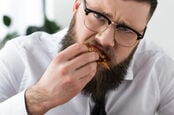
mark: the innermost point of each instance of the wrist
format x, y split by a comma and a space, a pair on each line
35, 100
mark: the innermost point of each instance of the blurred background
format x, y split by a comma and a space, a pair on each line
27, 16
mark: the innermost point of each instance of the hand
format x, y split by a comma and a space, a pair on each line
65, 77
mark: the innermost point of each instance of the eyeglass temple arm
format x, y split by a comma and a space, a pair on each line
141, 36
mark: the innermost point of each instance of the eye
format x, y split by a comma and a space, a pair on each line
99, 16
124, 29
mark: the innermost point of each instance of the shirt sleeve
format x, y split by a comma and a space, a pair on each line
166, 84
12, 100
14, 105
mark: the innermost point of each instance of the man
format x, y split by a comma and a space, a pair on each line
101, 66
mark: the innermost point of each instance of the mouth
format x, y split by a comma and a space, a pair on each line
103, 57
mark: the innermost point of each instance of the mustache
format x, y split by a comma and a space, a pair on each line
107, 50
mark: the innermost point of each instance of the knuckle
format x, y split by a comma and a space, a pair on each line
68, 80
59, 57
81, 47
64, 69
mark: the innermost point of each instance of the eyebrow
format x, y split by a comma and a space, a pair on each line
110, 17
125, 24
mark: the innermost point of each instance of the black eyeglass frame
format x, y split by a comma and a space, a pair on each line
87, 11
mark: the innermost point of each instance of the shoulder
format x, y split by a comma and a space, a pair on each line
155, 68
37, 41
151, 60
30, 47
151, 54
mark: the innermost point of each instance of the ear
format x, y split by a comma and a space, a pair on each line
76, 5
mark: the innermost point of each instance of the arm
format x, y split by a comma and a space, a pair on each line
65, 77
11, 70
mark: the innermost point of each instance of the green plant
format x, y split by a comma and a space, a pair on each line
7, 22
48, 26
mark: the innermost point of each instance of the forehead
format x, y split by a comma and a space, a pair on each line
131, 12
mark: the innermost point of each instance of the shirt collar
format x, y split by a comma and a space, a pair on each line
130, 72
129, 75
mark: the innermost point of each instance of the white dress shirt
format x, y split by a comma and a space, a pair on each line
148, 87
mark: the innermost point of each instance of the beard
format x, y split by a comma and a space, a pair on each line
104, 80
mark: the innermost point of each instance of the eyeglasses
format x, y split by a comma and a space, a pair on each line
97, 22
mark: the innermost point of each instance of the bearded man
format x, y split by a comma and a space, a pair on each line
100, 65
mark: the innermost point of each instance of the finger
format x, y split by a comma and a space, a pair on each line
86, 73
82, 60
72, 51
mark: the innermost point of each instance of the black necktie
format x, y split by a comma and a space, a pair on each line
99, 107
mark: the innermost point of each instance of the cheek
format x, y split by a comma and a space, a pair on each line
122, 53
82, 33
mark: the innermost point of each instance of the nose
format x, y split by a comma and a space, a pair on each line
106, 37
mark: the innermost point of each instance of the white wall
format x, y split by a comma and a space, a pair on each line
63, 11
160, 28
22, 12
